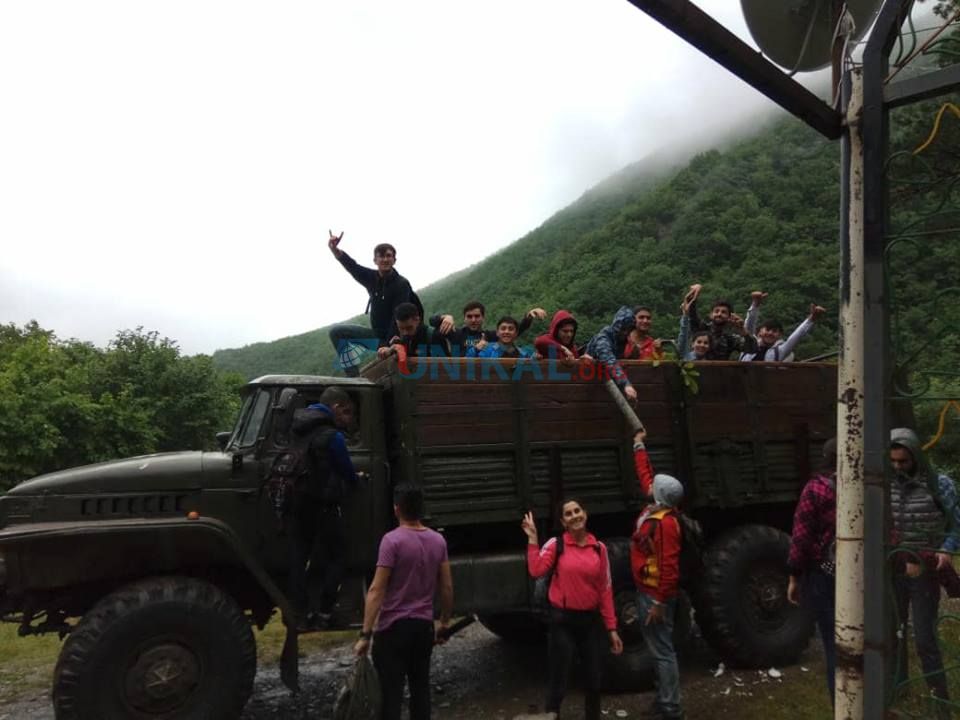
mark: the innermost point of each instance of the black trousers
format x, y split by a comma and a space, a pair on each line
573, 631
922, 595
402, 653
316, 542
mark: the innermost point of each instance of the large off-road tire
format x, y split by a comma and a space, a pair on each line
741, 599
632, 670
517, 628
170, 647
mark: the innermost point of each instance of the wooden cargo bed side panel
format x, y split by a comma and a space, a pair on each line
754, 428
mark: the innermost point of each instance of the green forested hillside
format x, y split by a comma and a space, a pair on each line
761, 214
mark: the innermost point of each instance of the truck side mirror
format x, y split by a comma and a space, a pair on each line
223, 438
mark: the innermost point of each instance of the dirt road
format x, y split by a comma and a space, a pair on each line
478, 677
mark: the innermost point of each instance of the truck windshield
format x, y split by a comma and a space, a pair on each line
250, 419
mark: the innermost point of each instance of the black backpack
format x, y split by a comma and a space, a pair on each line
692, 546
307, 473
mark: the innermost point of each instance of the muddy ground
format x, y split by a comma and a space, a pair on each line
476, 676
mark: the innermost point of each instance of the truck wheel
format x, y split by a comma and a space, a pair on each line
632, 670
517, 628
741, 599
171, 647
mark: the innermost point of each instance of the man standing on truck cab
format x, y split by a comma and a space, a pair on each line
398, 613
655, 563
316, 532
387, 289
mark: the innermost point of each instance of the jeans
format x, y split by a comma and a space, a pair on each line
659, 639
402, 652
316, 536
818, 594
923, 595
574, 631
348, 357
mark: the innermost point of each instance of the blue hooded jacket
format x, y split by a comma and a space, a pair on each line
608, 345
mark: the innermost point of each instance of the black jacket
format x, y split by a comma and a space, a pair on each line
385, 294
457, 342
425, 343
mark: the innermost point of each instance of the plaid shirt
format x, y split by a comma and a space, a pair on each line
814, 524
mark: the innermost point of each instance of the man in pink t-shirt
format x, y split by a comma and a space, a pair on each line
411, 565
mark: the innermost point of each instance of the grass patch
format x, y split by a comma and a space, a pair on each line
801, 695
26, 663
270, 641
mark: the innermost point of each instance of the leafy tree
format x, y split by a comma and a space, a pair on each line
67, 403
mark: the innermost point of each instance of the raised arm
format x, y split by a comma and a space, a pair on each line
804, 328
641, 463
539, 560
683, 339
531, 315
690, 301
753, 314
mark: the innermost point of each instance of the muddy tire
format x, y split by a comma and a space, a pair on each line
167, 648
632, 671
516, 628
741, 599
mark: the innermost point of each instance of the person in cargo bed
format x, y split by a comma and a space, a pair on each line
609, 344
457, 342
411, 337
560, 342
505, 346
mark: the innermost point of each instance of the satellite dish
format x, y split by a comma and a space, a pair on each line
797, 34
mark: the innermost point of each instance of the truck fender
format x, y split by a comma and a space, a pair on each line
36, 552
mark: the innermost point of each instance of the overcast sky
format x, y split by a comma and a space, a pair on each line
176, 165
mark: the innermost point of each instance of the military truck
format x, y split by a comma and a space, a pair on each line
155, 569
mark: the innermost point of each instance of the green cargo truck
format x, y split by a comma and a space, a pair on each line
155, 569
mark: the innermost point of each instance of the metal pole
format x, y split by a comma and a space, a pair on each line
849, 625
875, 131
629, 414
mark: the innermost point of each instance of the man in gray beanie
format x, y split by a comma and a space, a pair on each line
655, 562
926, 525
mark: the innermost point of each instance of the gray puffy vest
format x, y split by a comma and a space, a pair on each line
917, 519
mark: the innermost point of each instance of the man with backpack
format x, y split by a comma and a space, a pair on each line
655, 551
319, 472
926, 524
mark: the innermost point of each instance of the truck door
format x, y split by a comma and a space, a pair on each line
366, 509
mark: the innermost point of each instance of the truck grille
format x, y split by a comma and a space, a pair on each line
133, 505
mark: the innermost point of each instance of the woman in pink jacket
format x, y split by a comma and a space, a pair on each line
580, 596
